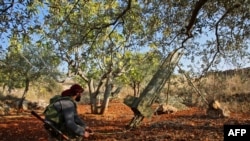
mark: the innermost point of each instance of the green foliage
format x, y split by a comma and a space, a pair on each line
26, 63
142, 67
17, 17
126, 39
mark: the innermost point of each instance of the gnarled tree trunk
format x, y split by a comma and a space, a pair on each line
142, 106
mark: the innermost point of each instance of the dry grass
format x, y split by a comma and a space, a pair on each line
218, 86
231, 89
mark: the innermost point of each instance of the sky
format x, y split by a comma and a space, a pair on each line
223, 65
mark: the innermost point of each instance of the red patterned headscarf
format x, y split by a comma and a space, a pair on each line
74, 89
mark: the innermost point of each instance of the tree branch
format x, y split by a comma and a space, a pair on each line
117, 18
217, 35
195, 12
218, 22
191, 23
4, 10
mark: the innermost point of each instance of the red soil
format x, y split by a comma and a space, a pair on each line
187, 125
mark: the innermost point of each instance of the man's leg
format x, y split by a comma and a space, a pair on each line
51, 136
52, 139
76, 139
79, 139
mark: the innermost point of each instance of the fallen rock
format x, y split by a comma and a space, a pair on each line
4, 109
165, 109
217, 110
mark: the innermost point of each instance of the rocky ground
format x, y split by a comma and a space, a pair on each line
186, 125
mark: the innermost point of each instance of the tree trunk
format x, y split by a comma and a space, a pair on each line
107, 93
135, 122
106, 99
20, 104
142, 106
93, 97
136, 88
93, 104
97, 106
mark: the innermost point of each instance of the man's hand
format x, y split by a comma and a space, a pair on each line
86, 134
89, 130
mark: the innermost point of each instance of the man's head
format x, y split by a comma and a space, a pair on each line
74, 91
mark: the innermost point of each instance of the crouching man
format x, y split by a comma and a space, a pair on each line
62, 113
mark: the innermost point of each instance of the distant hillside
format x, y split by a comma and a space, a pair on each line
231, 72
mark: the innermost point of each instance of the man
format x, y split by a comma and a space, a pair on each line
69, 121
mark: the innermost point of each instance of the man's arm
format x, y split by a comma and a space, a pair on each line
79, 121
69, 111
